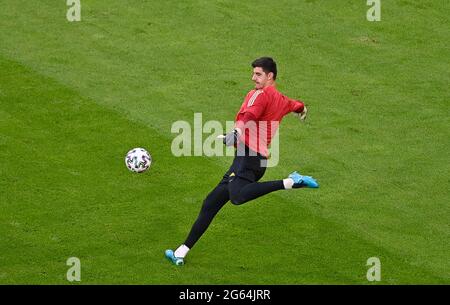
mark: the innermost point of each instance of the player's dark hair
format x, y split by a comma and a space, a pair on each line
267, 64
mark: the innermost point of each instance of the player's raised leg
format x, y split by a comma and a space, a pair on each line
242, 190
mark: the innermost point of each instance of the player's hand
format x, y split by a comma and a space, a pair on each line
302, 115
231, 138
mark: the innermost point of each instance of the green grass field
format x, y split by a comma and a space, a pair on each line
76, 96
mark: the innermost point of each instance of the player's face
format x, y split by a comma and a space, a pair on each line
260, 78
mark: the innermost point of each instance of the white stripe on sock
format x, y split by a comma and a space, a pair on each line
288, 183
181, 251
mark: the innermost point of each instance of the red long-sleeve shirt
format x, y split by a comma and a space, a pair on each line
260, 116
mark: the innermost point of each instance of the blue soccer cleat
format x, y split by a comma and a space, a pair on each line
303, 181
175, 260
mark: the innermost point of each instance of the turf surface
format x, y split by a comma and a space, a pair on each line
75, 97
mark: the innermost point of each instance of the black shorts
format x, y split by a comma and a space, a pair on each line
250, 166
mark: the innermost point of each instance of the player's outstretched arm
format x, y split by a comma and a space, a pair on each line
297, 107
302, 115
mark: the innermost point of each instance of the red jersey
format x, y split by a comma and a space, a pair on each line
266, 107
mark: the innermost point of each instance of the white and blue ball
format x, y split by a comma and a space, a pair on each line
138, 160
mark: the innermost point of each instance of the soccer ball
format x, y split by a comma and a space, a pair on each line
138, 160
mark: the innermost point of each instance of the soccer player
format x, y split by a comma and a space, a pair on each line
253, 132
